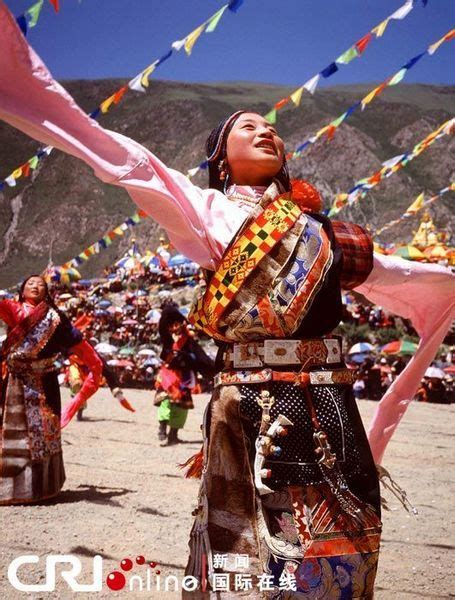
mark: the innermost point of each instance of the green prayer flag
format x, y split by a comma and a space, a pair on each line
347, 56
136, 218
215, 20
33, 162
107, 240
339, 120
271, 116
33, 13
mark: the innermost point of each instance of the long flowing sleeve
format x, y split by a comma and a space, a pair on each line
425, 294
91, 383
200, 223
9, 312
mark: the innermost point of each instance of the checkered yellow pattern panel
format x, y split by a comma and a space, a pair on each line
256, 241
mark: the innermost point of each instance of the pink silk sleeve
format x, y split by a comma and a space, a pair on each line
425, 294
200, 223
91, 383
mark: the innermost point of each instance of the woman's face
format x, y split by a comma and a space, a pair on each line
34, 290
254, 150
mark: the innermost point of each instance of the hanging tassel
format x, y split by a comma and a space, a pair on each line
194, 465
395, 489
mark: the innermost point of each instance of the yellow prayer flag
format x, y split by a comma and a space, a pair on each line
146, 74
416, 205
369, 97
321, 131
106, 104
17, 173
118, 231
379, 29
191, 39
297, 95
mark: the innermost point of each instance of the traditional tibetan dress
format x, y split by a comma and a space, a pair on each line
31, 460
288, 477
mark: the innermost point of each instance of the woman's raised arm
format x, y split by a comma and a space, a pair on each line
200, 223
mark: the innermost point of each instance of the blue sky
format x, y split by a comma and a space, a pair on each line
271, 41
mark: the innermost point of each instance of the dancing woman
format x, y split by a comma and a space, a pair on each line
284, 445
31, 461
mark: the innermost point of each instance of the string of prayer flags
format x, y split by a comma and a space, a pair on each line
25, 169
139, 83
418, 204
106, 240
389, 167
354, 51
330, 129
29, 18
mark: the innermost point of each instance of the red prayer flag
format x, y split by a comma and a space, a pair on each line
120, 93
142, 213
376, 178
281, 103
331, 131
363, 42
54, 4
25, 169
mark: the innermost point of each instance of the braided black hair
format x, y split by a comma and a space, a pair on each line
216, 151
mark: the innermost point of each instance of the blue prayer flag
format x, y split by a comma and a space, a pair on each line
22, 22
234, 5
330, 70
163, 58
413, 61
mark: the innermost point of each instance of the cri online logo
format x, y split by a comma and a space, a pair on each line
115, 580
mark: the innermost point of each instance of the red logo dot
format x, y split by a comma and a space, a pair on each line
115, 581
153, 564
126, 564
140, 560
157, 572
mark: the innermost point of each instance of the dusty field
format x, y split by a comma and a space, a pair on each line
124, 497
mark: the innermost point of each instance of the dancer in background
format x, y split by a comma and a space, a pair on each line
183, 358
31, 461
283, 440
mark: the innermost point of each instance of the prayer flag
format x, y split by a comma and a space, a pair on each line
120, 93
192, 172
330, 70
33, 162
416, 205
22, 22
369, 97
10, 181
363, 43
270, 117
403, 11
191, 39
448, 36
279, 105
347, 56
215, 19
142, 214
135, 84
136, 218
33, 13
331, 131
17, 173
399, 76
413, 61
297, 95
118, 231
379, 30
146, 74
163, 58
54, 4
26, 169
106, 104
337, 122
234, 5
178, 44
312, 83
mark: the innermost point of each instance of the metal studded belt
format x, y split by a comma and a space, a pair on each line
246, 376
306, 353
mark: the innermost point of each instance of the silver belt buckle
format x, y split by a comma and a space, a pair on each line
247, 355
281, 352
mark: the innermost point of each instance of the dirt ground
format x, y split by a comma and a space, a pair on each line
124, 497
